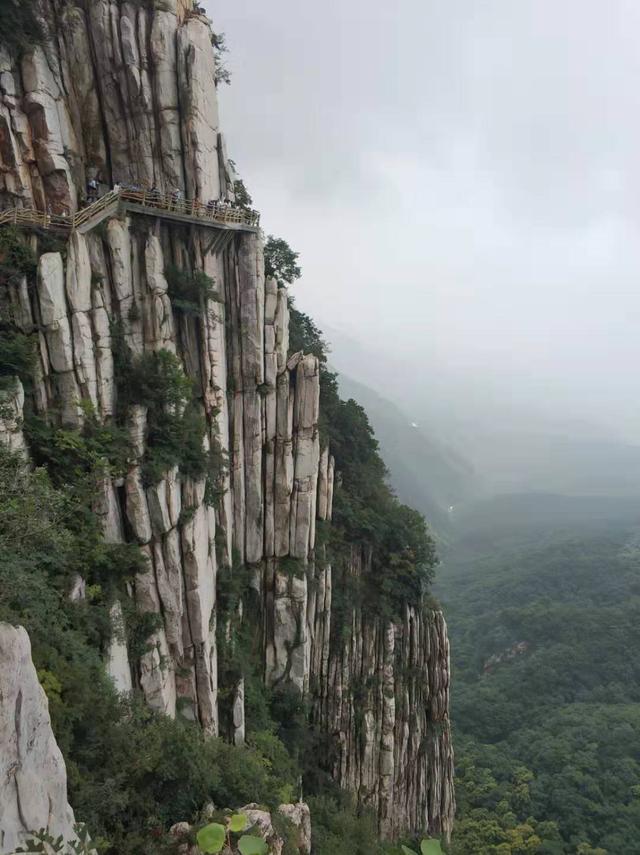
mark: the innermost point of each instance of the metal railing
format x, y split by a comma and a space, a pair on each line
214, 212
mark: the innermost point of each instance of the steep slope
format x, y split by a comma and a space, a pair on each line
425, 473
163, 366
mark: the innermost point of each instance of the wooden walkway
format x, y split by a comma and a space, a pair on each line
223, 218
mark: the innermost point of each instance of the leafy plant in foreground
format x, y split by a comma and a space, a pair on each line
45, 843
213, 837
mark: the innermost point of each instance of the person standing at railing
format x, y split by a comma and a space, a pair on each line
92, 191
176, 197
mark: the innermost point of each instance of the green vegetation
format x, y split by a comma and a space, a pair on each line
189, 290
546, 690
78, 456
213, 837
305, 336
17, 259
133, 773
176, 425
17, 350
17, 357
19, 25
127, 795
280, 261
366, 512
242, 195
222, 73
427, 847
43, 842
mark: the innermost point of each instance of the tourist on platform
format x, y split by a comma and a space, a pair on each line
92, 191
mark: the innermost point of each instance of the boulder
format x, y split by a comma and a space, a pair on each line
33, 777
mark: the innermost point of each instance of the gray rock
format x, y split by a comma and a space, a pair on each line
126, 93
118, 667
33, 778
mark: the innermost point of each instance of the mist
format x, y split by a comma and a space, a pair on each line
461, 182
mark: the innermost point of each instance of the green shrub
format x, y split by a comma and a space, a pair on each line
189, 291
280, 261
242, 195
305, 336
77, 456
132, 773
17, 259
222, 73
154, 380
175, 438
366, 513
176, 426
17, 356
340, 827
19, 25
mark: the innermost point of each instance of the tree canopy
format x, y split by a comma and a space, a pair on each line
280, 261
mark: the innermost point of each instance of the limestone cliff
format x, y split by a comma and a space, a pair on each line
124, 92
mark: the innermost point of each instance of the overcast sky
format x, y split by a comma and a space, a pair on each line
461, 180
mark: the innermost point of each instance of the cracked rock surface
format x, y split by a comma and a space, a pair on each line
125, 92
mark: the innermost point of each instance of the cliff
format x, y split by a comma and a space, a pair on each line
33, 780
124, 92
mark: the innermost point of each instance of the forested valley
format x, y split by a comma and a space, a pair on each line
544, 619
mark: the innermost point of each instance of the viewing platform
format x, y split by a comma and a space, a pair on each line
224, 219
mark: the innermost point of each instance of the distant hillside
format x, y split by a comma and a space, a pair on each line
513, 445
424, 472
486, 525
543, 606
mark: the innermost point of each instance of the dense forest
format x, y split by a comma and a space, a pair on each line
545, 627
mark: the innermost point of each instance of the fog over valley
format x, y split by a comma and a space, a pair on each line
319, 427
464, 181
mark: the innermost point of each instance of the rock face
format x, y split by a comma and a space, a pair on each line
124, 91
33, 778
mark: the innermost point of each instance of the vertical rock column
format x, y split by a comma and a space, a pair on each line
382, 691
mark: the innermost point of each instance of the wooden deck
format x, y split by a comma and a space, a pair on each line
224, 219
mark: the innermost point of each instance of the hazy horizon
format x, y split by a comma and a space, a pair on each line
460, 181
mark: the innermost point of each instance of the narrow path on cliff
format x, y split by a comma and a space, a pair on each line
214, 215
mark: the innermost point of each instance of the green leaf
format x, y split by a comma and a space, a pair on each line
249, 845
430, 847
408, 851
211, 838
237, 822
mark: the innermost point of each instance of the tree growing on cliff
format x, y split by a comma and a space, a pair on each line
280, 261
305, 335
222, 73
243, 197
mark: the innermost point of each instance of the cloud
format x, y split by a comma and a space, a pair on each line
461, 180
